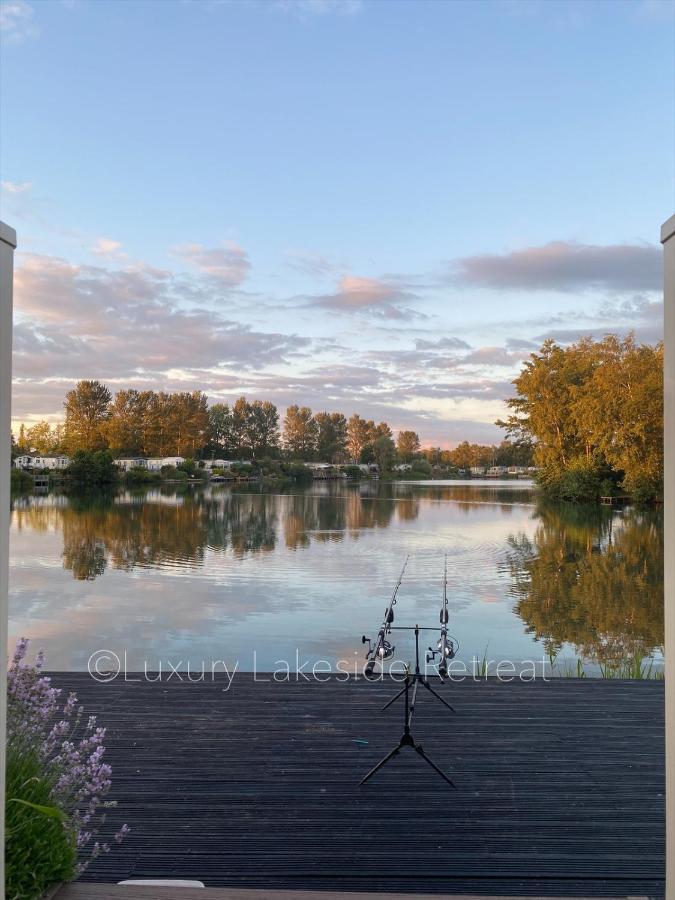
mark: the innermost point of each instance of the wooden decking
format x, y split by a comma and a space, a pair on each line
560, 786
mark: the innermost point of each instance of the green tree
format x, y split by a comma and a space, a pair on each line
360, 433
41, 438
220, 438
124, 428
384, 453
593, 408
86, 416
407, 444
262, 427
300, 432
331, 442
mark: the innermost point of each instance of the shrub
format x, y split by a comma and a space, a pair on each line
139, 475
298, 472
21, 481
39, 847
57, 782
353, 472
87, 467
422, 467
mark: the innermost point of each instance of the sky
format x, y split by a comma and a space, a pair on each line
368, 206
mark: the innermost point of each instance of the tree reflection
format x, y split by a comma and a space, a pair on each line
592, 579
157, 528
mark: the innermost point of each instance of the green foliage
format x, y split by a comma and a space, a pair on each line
139, 475
384, 452
586, 581
40, 849
298, 472
89, 468
353, 472
421, 467
594, 410
171, 473
21, 481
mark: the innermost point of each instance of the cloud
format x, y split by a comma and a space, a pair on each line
16, 187
106, 248
373, 296
494, 356
312, 263
565, 266
89, 321
16, 21
228, 264
447, 343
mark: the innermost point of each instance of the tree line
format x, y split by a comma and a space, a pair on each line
594, 413
160, 424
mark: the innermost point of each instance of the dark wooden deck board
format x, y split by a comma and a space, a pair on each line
560, 786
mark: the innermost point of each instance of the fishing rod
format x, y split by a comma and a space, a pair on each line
446, 646
382, 649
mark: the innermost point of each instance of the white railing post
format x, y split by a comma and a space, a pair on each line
7, 246
668, 241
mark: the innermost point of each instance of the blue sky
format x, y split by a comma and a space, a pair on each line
376, 207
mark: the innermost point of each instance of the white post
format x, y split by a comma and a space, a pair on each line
7, 245
668, 241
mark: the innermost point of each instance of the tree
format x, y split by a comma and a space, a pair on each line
124, 428
360, 433
240, 425
593, 408
262, 427
300, 432
86, 416
220, 438
331, 441
407, 444
41, 438
22, 441
384, 453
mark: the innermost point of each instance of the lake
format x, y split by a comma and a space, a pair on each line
182, 576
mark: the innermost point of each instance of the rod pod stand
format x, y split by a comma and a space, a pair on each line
407, 739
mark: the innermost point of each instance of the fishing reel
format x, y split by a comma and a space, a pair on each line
446, 649
382, 649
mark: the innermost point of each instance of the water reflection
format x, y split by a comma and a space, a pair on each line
592, 579
215, 572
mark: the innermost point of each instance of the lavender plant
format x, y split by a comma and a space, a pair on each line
57, 782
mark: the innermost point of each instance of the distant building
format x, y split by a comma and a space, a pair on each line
496, 471
371, 469
218, 463
131, 462
478, 470
48, 461
517, 470
403, 467
155, 463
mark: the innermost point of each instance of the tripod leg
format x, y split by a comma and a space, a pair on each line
381, 763
437, 696
433, 765
393, 699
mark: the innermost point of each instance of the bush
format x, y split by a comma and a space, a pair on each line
581, 482
40, 849
87, 467
21, 481
298, 472
139, 475
174, 474
422, 467
56, 783
353, 472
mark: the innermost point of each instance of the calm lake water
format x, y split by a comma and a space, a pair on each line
255, 576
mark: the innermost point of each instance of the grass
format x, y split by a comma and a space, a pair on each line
39, 848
